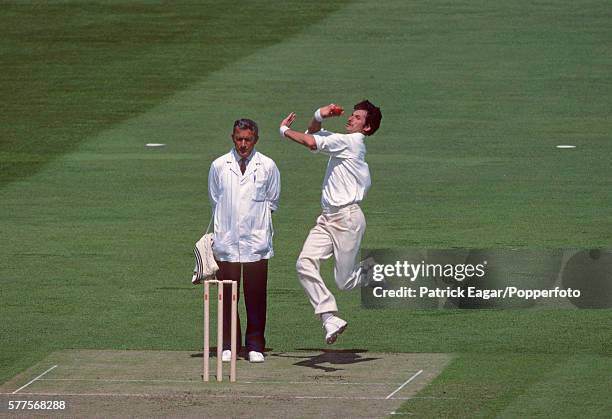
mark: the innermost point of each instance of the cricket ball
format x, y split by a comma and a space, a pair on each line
335, 110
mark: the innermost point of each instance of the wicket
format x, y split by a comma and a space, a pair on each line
234, 327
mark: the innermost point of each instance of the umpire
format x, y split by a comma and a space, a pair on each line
244, 190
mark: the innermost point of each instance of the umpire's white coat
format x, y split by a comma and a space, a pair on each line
242, 206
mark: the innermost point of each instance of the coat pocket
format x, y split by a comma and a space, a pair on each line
260, 192
222, 244
261, 242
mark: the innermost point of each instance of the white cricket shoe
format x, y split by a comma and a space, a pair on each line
333, 327
226, 356
255, 357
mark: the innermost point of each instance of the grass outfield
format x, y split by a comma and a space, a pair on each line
97, 230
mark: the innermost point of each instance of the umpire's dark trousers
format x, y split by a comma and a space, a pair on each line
255, 275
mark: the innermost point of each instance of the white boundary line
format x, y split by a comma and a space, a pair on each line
403, 385
24, 386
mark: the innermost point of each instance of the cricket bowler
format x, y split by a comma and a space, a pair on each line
341, 225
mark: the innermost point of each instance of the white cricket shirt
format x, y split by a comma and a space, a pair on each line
242, 206
347, 178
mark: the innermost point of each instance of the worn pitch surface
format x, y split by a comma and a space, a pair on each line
349, 383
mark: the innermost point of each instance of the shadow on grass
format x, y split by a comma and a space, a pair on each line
329, 356
324, 356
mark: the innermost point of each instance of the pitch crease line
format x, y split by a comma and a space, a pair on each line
119, 380
24, 386
404, 385
213, 396
111, 380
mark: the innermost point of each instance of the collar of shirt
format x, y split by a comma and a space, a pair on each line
238, 158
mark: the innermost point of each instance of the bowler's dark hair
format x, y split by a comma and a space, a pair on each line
373, 117
249, 124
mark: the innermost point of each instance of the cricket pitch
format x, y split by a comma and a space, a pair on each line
305, 383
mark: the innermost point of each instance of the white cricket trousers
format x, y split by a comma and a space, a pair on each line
338, 232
